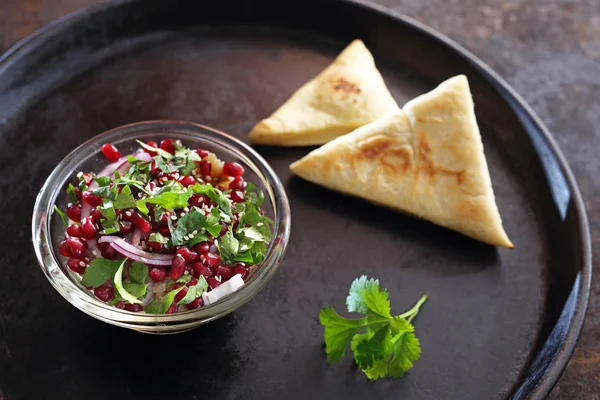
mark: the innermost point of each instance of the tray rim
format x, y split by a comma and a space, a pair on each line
553, 372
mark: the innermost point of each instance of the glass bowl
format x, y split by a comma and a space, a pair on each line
47, 228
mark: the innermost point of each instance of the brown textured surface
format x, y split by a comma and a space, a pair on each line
549, 50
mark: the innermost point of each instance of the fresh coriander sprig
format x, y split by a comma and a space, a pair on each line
383, 345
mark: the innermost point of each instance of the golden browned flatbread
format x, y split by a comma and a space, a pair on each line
426, 160
347, 94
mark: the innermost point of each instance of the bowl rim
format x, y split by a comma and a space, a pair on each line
80, 297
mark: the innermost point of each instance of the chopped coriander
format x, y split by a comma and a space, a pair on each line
383, 345
195, 291
188, 224
138, 272
157, 150
215, 195
229, 246
124, 199
100, 271
162, 306
71, 193
158, 238
64, 218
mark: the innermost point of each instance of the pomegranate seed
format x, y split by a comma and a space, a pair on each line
151, 143
128, 214
77, 247
201, 248
213, 260
188, 255
165, 231
120, 305
168, 145
154, 170
63, 249
173, 308
193, 282
181, 294
205, 168
237, 184
75, 265
125, 228
142, 224
195, 304
214, 270
201, 153
241, 270
197, 200
233, 169
201, 269
156, 246
96, 215
107, 251
89, 229
74, 212
111, 152
77, 193
177, 267
187, 180
237, 196
213, 249
223, 229
74, 230
104, 292
157, 274
91, 199
225, 272
212, 282
134, 307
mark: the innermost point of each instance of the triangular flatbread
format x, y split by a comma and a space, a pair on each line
347, 94
426, 160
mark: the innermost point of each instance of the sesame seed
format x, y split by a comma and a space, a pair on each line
195, 232
259, 224
81, 263
245, 184
69, 205
186, 209
186, 238
191, 235
181, 214
218, 277
186, 272
216, 242
173, 217
128, 213
202, 258
203, 230
208, 179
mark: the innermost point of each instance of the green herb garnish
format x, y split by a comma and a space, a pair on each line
64, 218
162, 306
195, 291
99, 271
383, 345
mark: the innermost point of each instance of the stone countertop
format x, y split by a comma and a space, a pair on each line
548, 50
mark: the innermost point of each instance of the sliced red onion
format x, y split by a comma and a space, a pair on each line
150, 294
107, 239
143, 156
156, 260
136, 237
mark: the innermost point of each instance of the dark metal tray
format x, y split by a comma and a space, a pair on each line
500, 323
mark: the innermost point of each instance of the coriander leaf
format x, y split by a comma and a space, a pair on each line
157, 150
124, 199
212, 224
161, 307
158, 238
102, 180
64, 218
184, 279
258, 233
136, 289
118, 280
106, 192
186, 160
379, 369
407, 349
163, 166
228, 246
339, 332
356, 298
377, 347
215, 195
71, 193
195, 291
141, 206
170, 200
245, 257
138, 272
186, 225
132, 159
99, 271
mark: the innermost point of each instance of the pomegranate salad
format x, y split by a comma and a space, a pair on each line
165, 229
